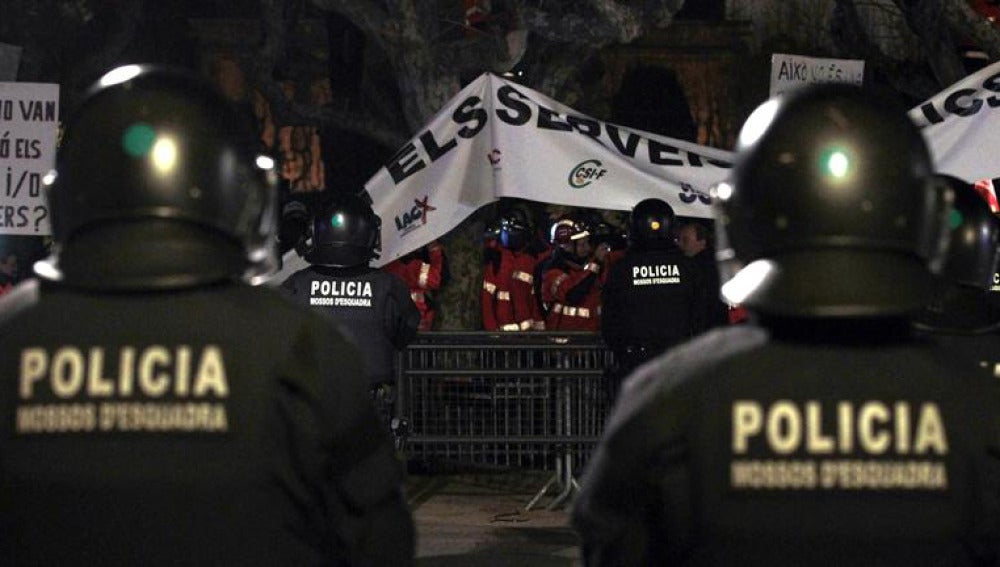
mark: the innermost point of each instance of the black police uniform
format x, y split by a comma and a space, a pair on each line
823, 432
652, 299
797, 444
373, 307
158, 410
217, 425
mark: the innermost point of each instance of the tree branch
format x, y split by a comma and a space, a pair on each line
925, 20
965, 22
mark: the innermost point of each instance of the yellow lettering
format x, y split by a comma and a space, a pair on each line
930, 431
845, 426
747, 421
126, 373
182, 367
902, 411
816, 442
153, 379
67, 372
98, 385
784, 427
872, 441
34, 362
211, 375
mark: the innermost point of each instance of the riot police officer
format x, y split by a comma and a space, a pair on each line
654, 296
826, 433
158, 409
960, 313
372, 307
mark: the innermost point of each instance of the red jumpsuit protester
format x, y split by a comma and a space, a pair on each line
421, 277
508, 295
573, 294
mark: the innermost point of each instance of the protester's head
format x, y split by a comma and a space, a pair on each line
651, 224
973, 237
611, 235
692, 238
345, 232
571, 236
831, 208
158, 184
515, 230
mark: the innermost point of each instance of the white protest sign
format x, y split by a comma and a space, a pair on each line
962, 126
29, 121
793, 71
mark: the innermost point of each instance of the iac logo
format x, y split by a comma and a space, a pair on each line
414, 218
586, 173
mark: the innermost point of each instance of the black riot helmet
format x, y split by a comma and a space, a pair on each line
651, 224
831, 208
961, 303
973, 231
158, 184
514, 229
345, 232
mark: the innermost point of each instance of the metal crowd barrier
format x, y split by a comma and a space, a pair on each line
530, 401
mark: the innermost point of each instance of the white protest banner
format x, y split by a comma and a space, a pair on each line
962, 126
496, 139
29, 121
792, 71
500, 139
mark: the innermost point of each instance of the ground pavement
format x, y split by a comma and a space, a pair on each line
480, 520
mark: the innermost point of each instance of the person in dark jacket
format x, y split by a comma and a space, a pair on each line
158, 409
694, 239
824, 432
373, 307
654, 296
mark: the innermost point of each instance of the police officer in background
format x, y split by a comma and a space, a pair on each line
654, 296
371, 306
827, 433
157, 409
960, 313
